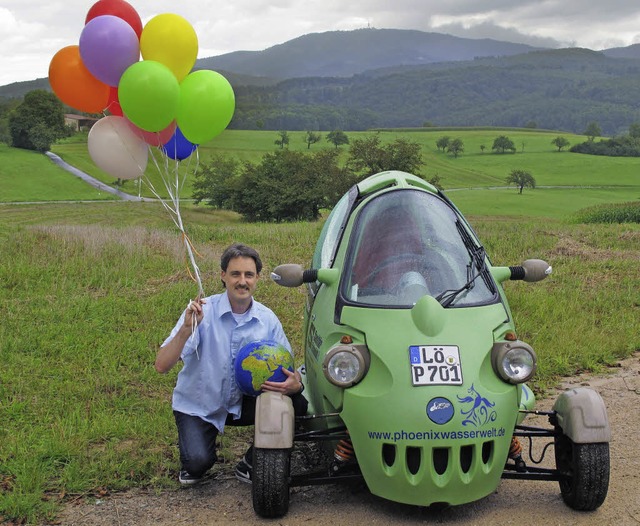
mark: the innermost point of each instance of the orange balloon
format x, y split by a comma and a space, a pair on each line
73, 84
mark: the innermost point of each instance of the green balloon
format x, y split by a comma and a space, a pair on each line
149, 94
206, 105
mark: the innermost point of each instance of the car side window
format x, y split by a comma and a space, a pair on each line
330, 236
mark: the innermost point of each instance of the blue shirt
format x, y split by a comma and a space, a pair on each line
206, 385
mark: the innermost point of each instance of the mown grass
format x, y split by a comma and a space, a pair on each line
31, 176
88, 291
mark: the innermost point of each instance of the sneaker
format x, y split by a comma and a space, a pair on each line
187, 479
243, 471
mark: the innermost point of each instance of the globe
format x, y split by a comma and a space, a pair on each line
261, 361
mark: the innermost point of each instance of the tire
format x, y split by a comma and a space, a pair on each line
270, 482
585, 470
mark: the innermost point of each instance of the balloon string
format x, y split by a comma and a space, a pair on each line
173, 183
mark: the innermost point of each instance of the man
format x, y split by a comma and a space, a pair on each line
207, 338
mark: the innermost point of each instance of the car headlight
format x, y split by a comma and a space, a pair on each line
346, 365
514, 362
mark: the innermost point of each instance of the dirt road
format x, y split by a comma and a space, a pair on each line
223, 500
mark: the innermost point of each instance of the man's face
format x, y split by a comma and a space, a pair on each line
240, 279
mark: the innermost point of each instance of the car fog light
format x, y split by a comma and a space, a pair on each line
345, 365
514, 362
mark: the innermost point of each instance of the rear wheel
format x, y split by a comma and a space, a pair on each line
585, 473
270, 481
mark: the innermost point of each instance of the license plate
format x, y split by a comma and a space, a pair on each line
435, 365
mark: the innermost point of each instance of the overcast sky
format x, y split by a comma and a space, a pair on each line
32, 31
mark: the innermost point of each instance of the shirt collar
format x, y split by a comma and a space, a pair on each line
225, 306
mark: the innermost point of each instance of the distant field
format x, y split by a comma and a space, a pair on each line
602, 179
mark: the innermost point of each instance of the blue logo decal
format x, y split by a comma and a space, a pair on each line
480, 412
440, 410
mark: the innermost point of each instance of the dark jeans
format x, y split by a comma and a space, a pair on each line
197, 438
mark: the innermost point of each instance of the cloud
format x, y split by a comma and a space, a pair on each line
32, 31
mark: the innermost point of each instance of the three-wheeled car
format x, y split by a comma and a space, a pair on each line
413, 370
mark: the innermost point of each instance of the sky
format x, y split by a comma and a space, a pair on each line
32, 31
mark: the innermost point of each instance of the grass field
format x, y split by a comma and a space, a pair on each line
473, 169
89, 290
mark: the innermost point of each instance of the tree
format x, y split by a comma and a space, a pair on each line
367, 156
288, 186
593, 130
560, 142
214, 181
37, 122
482, 148
521, 179
337, 138
283, 139
456, 147
442, 143
502, 144
311, 138
634, 130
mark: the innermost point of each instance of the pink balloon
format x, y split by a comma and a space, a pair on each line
108, 46
154, 138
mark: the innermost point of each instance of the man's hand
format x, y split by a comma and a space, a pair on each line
292, 385
194, 312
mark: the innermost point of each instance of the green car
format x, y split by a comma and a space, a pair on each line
413, 370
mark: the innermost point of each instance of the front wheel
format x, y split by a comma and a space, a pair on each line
270, 482
585, 473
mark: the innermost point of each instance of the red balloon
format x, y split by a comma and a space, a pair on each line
118, 8
153, 138
113, 106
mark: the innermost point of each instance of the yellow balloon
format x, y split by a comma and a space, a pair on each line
172, 41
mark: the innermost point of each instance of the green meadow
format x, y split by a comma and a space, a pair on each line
89, 290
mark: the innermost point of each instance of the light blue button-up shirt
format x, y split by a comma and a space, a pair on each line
206, 385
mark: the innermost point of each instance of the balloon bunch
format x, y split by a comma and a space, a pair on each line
155, 101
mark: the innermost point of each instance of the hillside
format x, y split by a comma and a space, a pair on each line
553, 89
369, 78
346, 53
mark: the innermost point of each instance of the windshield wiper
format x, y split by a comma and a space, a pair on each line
447, 297
478, 261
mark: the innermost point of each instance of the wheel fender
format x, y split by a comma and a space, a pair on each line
275, 419
582, 416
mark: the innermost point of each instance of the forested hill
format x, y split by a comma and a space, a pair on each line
355, 80
554, 89
346, 53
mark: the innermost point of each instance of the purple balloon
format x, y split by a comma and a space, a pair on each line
178, 147
108, 46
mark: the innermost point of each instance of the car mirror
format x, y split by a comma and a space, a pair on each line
531, 270
292, 275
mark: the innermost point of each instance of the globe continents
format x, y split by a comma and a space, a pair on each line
261, 361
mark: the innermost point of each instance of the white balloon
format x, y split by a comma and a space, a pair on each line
116, 149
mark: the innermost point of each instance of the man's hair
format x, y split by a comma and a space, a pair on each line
238, 250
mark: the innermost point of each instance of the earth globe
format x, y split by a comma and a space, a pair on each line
261, 361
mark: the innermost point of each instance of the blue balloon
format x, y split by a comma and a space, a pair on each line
178, 147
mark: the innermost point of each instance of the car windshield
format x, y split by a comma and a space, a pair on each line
406, 244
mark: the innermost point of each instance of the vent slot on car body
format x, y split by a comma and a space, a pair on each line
389, 454
487, 451
440, 459
466, 458
414, 459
